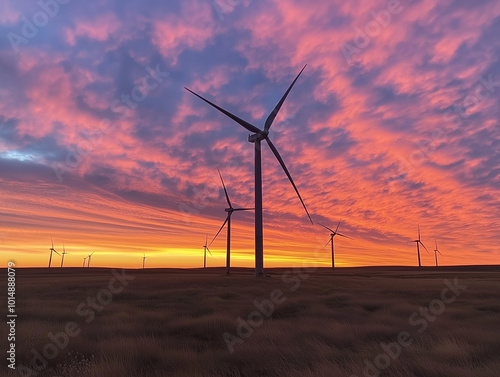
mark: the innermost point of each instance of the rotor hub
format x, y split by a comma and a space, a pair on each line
258, 136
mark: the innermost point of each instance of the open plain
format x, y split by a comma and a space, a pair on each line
387, 321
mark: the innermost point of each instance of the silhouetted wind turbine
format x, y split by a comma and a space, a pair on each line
435, 253
229, 211
144, 260
418, 242
84, 259
90, 257
62, 256
205, 249
256, 138
333, 234
52, 250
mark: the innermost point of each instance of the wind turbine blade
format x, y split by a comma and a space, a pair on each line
330, 240
419, 232
57, 253
209, 252
52, 241
282, 163
243, 209
338, 226
272, 116
225, 191
227, 218
439, 252
238, 120
327, 228
423, 246
341, 235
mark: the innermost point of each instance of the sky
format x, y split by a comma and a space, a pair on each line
394, 123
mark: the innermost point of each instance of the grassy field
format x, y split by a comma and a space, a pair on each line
387, 321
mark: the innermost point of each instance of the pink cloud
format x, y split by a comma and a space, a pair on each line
101, 28
192, 30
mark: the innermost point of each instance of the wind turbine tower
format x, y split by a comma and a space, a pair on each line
205, 249
418, 242
52, 250
90, 257
257, 136
62, 256
333, 234
436, 251
229, 211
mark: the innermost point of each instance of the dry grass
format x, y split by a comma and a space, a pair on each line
171, 323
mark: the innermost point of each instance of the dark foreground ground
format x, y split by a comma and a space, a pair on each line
387, 321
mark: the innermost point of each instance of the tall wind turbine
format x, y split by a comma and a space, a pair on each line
229, 211
333, 234
418, 242
62, 256
84, 259
90, 257
52, 250
205, 249
436, 251
256, 138
144, 260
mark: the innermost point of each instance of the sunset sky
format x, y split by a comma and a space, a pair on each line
393, 123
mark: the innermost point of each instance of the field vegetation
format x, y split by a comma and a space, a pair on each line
200, 323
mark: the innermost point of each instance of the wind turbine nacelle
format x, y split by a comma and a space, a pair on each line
255, 137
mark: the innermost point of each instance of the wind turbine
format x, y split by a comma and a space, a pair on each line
256, 138
205, 249
229, 211
418, 242
90, 257
333, 234
63, 254
52, 250
435, 253
144, 260
84, 259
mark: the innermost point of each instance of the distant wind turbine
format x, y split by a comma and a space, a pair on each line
229, 211
436, 251
144, 260
333, 234
84, 259
52, 250
90, 257
205, 249
63, 254
256, 138
418, 242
